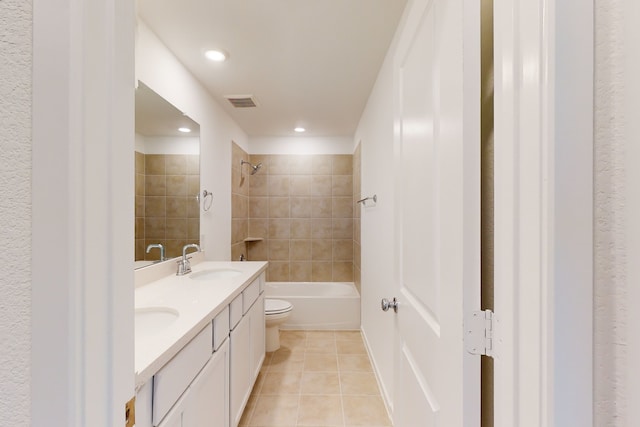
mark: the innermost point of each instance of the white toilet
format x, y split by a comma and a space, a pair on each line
276, 312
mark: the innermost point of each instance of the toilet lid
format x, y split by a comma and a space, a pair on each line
276, 306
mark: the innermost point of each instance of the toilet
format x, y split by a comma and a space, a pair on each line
276, 312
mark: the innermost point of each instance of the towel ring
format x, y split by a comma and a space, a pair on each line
207, 200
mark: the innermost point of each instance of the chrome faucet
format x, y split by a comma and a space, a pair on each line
157, 245
184, 266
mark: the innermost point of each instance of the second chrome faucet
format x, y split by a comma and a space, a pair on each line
184, 266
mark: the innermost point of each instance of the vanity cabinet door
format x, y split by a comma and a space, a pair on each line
175, 415
257, 336
208, 402
240, 353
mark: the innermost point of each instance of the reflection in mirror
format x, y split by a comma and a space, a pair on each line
167, 170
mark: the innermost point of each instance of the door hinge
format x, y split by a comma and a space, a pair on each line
480, 333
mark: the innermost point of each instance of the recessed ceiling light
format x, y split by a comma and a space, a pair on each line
216, 55
300, 129
185, 130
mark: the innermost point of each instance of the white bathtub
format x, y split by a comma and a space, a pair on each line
318, 305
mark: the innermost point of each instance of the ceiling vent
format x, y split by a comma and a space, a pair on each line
242, 101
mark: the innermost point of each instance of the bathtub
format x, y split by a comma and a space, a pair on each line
318, 305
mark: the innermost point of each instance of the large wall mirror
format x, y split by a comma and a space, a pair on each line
167, 179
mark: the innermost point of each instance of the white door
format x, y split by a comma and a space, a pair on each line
437, 140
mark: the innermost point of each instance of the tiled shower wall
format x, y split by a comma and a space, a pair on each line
356, 217
301, 210
239, 203
166, 208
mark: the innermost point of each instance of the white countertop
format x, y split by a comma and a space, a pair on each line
197, 302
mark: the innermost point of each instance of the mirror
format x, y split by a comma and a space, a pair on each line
167, 178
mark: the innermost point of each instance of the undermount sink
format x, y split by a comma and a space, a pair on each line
151, 320
215, 273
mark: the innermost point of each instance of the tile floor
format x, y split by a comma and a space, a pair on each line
316, 378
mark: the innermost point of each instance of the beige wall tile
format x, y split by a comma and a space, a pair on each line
176, 228
193, 229
155, 206
174, 247
258, 185
278, 271
177, 185
278, 250
155, 185
300, 228
154, 228
258, 207
342, 185
321, 164
140, 179
342, 271
343, 250
139, 206
139, 162
139, 249
239, 182
321, 207
139, 228
300, 271
300, 207
342, 228
193, 185
342, 207
259, 228
321, 228
300, 185
321, 185
342, 164
193, 208
300, 164
321, 250
175, 164
356, 230
154, 164
239, 230
321, 271
356, 254
176, 207
237, 154
239, 206
278, 185
301, 250
193, 164
237, 250
279, 164
279, 228
257, 251
279, 207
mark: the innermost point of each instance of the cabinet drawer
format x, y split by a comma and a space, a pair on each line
250, 295
235, 311
174, 378
220, 328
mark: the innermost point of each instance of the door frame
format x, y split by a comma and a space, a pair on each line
543, 212
82, 353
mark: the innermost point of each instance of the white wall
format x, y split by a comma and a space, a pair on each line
167, 144
376, 135
15, 211
301, 145
159, 69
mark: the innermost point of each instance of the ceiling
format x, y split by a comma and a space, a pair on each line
309, 63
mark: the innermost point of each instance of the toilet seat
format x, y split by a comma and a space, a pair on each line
276, 306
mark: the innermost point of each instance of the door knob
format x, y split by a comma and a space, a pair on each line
385, 304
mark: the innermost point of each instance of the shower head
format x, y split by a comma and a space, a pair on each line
254, 168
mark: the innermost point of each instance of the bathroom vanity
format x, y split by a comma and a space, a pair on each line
199, 342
